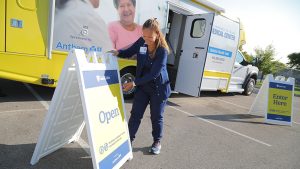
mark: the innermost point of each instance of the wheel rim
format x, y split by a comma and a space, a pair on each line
126, 78
251, 87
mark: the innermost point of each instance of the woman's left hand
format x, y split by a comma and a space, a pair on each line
114, 52
127, 86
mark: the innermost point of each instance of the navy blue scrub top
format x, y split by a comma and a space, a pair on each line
150, 86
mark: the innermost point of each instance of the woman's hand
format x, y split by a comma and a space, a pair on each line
127, 86
114, 52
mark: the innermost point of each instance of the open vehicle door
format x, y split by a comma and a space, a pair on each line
194, 49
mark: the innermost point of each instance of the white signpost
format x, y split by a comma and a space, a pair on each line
88, 93
274, 100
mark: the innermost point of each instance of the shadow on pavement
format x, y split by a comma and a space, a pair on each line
240, 118
2, 94
180, 95
217, 94
204, 94
128, 100
144, 150
172, 104
11, 91
19, 156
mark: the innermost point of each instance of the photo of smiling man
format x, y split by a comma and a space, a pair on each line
125, 31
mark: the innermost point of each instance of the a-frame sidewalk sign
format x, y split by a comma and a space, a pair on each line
274, 100
88, 92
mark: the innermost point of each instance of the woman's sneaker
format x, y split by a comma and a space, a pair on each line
155, 148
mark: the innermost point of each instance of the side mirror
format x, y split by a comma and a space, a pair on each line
244, 63
255, 61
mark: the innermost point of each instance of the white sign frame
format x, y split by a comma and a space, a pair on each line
72, 85
260, 105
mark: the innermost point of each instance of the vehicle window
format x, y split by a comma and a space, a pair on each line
198, 28
239, 58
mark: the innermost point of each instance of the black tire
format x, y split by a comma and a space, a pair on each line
249, 87
128, 75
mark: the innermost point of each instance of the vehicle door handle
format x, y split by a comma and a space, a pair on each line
199, 47
195, 55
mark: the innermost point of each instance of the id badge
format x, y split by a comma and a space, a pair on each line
143, 50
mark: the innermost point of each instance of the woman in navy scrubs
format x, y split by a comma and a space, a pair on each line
152, 81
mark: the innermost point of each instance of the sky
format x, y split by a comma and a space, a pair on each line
275, 22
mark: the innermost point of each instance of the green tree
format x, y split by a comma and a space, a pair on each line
277, 67
294, 60
265, 59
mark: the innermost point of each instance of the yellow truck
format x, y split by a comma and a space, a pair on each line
28, 49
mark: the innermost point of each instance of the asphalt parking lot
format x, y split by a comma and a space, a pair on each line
214, 131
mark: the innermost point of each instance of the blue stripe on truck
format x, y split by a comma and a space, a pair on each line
220, 52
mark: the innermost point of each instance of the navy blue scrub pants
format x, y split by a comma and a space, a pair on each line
157, 105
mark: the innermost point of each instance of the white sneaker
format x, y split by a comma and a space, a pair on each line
155, 148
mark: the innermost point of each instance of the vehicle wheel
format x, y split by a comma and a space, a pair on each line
128, 75
249, 87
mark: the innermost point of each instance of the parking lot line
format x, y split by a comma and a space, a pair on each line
225, 128
37, 96
23, 110
84, 145
81, 142
246, 108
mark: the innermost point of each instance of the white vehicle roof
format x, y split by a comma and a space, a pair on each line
192, 7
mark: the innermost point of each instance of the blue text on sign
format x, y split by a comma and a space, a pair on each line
106, 117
